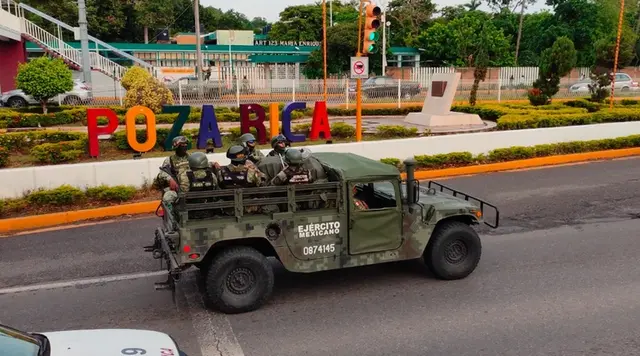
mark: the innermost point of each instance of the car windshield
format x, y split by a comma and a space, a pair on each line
16, 343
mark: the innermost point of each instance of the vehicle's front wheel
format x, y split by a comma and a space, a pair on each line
454, 251
239, 280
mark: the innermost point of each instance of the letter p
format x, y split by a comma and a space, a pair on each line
94, 131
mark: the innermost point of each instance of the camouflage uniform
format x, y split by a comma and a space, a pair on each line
174, 168
295, 172
197, 177
238, 174
249, 142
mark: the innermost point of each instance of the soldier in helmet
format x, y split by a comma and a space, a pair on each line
174, 166
198, 177
249, 141
295, 172
238, 174
279, 145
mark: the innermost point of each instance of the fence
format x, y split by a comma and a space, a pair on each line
285, 83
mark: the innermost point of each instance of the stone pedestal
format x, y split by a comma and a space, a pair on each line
436, 111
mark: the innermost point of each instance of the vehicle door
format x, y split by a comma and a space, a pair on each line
379, 226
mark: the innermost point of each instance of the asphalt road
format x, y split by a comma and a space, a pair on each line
559, 277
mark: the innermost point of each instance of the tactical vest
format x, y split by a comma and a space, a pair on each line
231, 179
301, 176
200, 184
179, 167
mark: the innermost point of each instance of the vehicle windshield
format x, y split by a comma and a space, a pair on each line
16, 343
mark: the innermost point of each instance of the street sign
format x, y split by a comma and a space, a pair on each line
359, 67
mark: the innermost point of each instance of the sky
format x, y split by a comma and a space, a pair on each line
270, 9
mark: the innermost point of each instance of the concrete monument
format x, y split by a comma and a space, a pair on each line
436, 111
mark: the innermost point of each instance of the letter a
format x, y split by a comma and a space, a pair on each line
320, 123
208, 128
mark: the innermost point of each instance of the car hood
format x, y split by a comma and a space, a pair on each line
14, 91
109, 342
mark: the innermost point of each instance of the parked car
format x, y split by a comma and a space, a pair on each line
624, 82
80, 94
94, 342
382, 87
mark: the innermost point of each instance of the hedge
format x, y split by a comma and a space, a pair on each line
66, 195
4, 157
460, 159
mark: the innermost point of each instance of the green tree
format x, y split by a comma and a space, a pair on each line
342, 40
43, 78
555, 63
408, 18
153, 14
304, 22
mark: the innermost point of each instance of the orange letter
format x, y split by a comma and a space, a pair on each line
132, 137
273, 120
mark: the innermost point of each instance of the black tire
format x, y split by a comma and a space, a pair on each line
17, 102
233, 266
454, 251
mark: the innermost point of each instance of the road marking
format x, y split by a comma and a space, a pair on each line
213, 330
80, 282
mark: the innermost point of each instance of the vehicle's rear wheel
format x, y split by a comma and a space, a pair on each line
239, 280
454, 251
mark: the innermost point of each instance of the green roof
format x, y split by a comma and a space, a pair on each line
351, 166
162, 47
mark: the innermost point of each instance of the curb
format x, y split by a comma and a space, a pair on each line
13, 225
48, 220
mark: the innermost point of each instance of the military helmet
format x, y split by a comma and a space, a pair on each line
247, 139
293, 157
198, 160
179, 140
278, 139
237, 154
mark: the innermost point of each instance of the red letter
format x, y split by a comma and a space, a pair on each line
94, 131
320, 122
246, 123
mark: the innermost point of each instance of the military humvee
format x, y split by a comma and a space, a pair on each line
317, 227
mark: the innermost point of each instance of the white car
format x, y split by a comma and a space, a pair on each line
80, 94
624, 82
95, 342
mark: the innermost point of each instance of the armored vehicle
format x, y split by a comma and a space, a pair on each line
229, 234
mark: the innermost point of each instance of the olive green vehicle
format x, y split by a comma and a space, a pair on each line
317, 227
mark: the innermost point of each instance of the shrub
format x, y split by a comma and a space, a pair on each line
537, 97
17, 119
63, 195
133, 76
530, 121
342, 130
581, 103
120, 193
60, 152
148, 92
24, 141
396, 131
627, 102
393, 161
459, 159
43, 78
4, 157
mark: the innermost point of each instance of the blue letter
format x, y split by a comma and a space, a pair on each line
208, 128
286, 121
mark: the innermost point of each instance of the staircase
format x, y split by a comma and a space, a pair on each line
55, 46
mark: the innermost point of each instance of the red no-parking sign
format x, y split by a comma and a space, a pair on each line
359, 67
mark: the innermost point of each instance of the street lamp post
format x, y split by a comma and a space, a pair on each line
84, 42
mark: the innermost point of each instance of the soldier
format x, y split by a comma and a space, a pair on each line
198, 177
279, 145
249, 141
359, 203
295, 172
173, 169
238, 173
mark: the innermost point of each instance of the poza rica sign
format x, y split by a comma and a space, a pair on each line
208, 129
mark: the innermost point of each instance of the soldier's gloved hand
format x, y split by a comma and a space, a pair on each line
173, 185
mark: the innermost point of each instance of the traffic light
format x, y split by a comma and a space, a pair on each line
371, 24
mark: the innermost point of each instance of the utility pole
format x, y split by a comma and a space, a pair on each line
331, 13
196, 15
384, 42
84, 42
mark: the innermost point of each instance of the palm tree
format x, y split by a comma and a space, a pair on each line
473, 5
